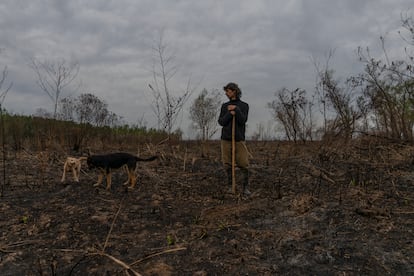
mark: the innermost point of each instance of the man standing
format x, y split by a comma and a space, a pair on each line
239, 109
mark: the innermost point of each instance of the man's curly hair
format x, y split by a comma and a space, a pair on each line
234, 87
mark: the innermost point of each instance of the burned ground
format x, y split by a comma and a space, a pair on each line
315, 210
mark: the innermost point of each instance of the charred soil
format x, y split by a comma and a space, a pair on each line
315, 209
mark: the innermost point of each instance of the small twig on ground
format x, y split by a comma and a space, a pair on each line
157, 254
112, 226
6, 248
121, 263
100, 253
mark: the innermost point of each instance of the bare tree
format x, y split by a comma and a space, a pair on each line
86, 109
4, 90
388, 89
67, 109
3, 93
166, 105
293, 110
203, 113
408, 25
53, 77
339, 99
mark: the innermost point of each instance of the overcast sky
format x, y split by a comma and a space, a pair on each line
263, 45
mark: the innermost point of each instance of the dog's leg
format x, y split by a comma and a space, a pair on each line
78, 169
100, 177
131, 175
108, 180
125, 168
64, 172
74, 173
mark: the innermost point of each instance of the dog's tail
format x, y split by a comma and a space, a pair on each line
146, 159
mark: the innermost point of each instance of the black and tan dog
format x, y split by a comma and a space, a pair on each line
108, 162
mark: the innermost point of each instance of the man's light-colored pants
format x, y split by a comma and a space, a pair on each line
242, 154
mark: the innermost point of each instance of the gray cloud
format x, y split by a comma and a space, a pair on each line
263, 45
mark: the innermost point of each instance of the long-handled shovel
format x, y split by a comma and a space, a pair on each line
233, 155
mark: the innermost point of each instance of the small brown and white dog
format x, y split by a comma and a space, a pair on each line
73, 164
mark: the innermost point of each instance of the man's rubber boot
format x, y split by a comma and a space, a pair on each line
245, 181
229, 180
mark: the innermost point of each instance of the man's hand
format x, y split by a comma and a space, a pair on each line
232, 109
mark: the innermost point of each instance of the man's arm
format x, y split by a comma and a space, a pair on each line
242, 113
225, 116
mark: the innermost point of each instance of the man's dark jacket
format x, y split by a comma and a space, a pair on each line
225, 120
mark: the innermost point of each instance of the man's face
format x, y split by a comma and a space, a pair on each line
231, 94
